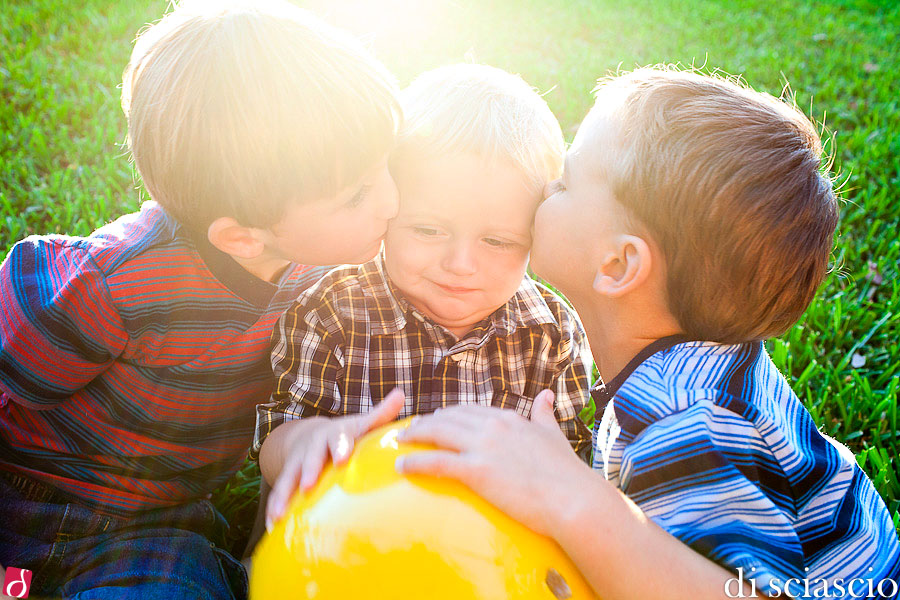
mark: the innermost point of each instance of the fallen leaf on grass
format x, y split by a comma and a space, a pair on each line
870, 67
874, 275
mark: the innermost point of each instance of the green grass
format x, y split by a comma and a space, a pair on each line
62, 168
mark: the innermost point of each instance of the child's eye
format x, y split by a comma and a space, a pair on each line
495, 243
426, 231
359, 196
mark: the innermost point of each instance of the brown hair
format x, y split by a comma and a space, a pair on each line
240, 108
730, 184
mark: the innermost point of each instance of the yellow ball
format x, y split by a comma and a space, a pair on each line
366, 531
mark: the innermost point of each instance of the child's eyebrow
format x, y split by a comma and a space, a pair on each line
504, 231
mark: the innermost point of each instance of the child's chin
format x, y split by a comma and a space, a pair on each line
450, 319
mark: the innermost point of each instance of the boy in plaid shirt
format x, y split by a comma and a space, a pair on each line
447, 315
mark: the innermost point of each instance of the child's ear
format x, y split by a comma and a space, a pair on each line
229, 236
624, 268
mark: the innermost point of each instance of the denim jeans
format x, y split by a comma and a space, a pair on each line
75, 552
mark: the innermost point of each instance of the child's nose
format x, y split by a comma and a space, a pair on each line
460, 259
551, 188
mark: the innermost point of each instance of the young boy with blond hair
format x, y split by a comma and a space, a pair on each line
131, 360
447, 314
693, 221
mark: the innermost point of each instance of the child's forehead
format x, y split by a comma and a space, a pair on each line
600, 123
457, 169
597, 147
464, 187
487, 213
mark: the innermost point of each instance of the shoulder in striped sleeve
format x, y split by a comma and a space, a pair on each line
710, 441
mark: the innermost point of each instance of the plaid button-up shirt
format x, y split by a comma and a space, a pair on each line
352, 338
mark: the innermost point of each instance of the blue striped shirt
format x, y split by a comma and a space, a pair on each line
712, 444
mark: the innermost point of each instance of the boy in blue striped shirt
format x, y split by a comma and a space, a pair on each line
694, 221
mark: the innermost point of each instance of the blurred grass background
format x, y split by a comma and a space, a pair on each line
63, 168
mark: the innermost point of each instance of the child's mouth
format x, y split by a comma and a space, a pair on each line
451, 289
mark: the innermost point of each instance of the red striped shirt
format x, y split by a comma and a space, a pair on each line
131, 361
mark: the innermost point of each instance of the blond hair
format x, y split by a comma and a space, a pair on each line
241, 108
731, 184
468, 108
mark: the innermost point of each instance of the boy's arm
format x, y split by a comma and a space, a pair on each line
299, 429
708, 477
58, 326
307, 362
570, 378
300, 449
528, 470
571, 387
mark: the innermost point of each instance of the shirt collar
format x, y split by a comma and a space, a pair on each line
389, 309
225, 269
602, 392
527, 308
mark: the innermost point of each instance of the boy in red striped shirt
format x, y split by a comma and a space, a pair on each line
131, 360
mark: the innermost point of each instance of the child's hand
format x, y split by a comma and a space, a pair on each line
525, 468
308, 452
